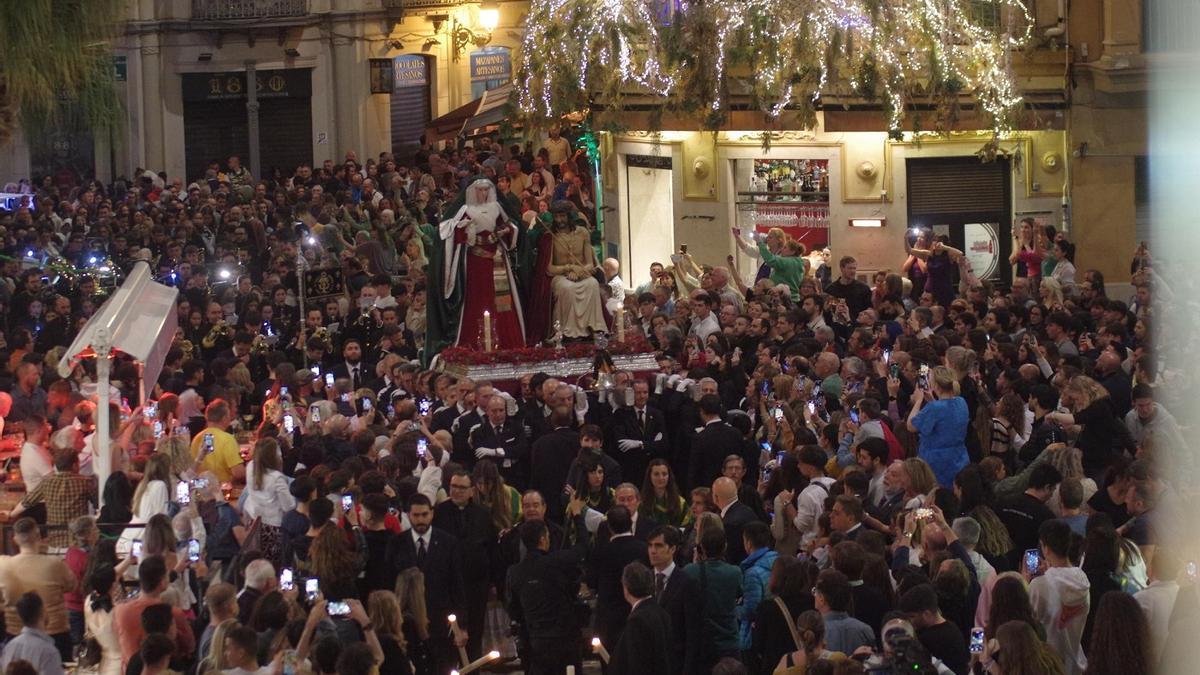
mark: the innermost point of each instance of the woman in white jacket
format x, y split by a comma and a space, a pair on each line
267, 495
152, 497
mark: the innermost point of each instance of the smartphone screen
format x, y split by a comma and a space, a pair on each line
778, 414
337, 608
1033, 560
854, 416
328, 379
311, 589
136, 549
183, 495
194, 550
151, 409
208, 443
366, 405
347, 502
424, 406
316, 415
158, 429
200, 483
422, 448
977, 640
286, 581
289, 424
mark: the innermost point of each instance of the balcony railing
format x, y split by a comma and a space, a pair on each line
222, 10
420, 4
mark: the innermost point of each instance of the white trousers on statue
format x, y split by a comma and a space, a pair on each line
577, 306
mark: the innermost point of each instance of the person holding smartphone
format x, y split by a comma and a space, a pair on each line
215, 448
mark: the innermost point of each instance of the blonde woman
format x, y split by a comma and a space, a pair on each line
215, 663
919, 481
1101, 433
1051, 293
151, 498
388, 620
410, 593
1069, 462
942, 423
179, 456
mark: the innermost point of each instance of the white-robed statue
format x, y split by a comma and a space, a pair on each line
479, 237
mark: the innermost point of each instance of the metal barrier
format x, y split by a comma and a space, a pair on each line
8, 546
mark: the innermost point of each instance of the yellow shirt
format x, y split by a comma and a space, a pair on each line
224, 457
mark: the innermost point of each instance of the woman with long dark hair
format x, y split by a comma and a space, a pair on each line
1101, 561
1120, 639
790, 587
1010, 602
100, 585
337, 563
1020, 652
661, 501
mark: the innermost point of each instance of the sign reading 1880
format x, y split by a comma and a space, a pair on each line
291, 82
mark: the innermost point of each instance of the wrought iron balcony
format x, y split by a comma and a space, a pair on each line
231, 10
417, 5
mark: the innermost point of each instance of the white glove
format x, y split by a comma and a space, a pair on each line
683, 385
627, 444
510, 403
603, 396
581, 402
673, 380
480, 453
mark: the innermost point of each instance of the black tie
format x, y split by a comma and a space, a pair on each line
660, 583
497, 430
421, 553
642, 420
354, 378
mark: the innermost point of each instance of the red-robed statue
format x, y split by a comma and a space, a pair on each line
480, 237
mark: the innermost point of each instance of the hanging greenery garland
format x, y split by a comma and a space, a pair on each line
694, 57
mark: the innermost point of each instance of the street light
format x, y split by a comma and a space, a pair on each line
489, 15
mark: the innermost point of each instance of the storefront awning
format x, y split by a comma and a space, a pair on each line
493, 108
450, 126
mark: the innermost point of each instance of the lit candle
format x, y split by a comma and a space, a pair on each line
480, 662
458, 635
487, 331
599, 649
620, 320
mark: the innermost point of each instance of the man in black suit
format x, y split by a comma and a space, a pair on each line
639, 434
455, 403
735, 515
541, 598
846, 516
643, 647
679, 595
436, 554
550, 461
472, 525
353, 368
629, 496
604, 574
461, 428
503, 441
712, 444
533, 509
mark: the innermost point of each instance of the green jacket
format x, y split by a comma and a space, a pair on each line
722, 588
784, 269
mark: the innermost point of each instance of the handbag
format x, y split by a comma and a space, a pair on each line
87, 654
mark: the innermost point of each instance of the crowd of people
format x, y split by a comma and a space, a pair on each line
933, 474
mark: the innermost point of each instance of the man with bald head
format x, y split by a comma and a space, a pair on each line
502, 440
735, 515
612, 276
1113, 378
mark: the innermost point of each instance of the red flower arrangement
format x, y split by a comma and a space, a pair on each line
635, 344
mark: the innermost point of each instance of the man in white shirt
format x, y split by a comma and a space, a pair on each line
1158, 599
807, 508
36, 462
1060, 596
967, 530
704, 322
612, 273
872, 456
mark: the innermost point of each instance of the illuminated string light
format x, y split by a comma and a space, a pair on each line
796, 50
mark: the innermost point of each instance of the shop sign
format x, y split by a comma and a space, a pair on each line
409, 71
981, 246
288, 83
491, 65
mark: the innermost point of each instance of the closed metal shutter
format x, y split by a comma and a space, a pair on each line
212, 131
962, 186
285, 133
410, 114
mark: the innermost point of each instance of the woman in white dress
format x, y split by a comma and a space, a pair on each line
151, 498
98, 617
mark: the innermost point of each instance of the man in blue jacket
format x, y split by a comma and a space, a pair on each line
756, 574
